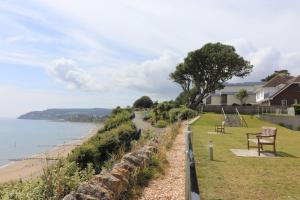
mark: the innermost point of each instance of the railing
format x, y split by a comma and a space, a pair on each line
242, 120
225, 117
191, 183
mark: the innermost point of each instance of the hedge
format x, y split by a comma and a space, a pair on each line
100, 147
297, 109
115, 120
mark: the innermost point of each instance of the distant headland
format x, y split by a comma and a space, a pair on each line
69, 114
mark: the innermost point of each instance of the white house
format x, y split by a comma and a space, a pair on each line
227, 95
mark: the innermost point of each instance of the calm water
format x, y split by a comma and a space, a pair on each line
21, 138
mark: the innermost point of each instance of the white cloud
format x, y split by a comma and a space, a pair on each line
26, 59
265, 60
149, 77
67, 71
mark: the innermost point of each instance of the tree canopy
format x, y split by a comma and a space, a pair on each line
242, 96
143, 102
206, 69
275, 73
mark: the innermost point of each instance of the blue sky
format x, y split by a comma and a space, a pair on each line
75, 53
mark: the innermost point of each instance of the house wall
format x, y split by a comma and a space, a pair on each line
236, 89
215, 100
265, 92
231, 99
289, 94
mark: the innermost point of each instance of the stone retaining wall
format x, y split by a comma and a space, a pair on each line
111, 185
292, 122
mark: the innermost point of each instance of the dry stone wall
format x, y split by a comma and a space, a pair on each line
111, 185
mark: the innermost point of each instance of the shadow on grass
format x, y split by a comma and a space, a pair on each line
284, 154
215, 160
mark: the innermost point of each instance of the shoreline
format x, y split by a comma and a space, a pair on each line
32, 166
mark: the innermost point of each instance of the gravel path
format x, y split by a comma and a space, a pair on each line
172, 185
141, 124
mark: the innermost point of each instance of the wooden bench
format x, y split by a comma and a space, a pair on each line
266, 137
220, 128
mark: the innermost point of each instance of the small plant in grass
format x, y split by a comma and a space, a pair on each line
161, 124
282, 124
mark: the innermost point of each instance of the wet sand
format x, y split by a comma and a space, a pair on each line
33, 166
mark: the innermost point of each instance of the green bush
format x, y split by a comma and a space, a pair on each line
182, 113
297, 109
161, 124
145, 175
143, 102
55, 182
187, 113
115, 120
174, 114
100, 147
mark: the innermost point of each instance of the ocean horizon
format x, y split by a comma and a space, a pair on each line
22, 138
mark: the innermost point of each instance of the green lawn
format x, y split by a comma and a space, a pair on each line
231, 177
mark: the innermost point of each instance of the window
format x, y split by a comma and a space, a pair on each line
284, 102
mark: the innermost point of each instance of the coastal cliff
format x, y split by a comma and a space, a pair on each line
74, 114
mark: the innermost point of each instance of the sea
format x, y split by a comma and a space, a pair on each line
22, 138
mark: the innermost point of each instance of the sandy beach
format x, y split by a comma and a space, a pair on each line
32, 166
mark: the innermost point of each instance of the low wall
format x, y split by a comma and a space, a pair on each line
292, 122
250, 110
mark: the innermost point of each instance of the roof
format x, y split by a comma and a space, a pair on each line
244, 84
290, 82
230, 93
279, 79
295, 80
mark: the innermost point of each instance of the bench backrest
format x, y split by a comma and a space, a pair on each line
269, 131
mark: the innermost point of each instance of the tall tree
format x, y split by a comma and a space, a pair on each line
205, 70
275, 73
242, 96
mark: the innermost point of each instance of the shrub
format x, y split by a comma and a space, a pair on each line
282, 124
145, 175
187, 113
115, 120
174, 114
297, 109
298, 128
143, 102
100, 147
161, 124
55, 182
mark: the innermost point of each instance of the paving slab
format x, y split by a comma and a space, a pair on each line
250, 153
